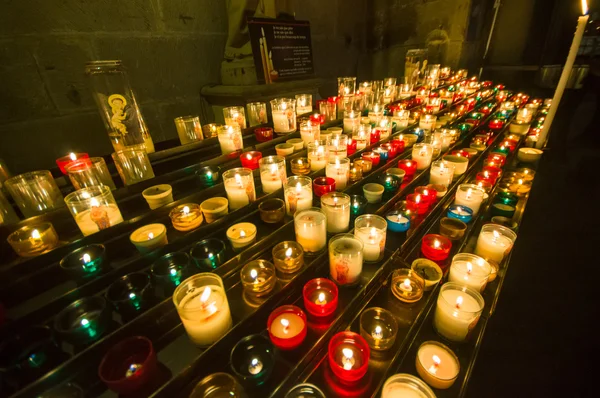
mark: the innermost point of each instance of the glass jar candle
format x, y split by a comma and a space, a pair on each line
303, 104
211, 130
346, 86
239, 186
457, 311
422, 155
338, 147
93, 209
441, 172
401, 118
495, 242
33, 240
208, 175
133, 164
320, 297
63, 162
398, 221
188, 129
298, 194
351, 121
85, 261
355, 173
470, 270
379, 328
235, 116
283, 111
427, 122
339, 170
168, 272
218, 385
469, 195
287, 327
202, 305
158, 195
241, 235
409, 167
214, 208
348, 355
362, 136
250, 159
186, 217
272, 210
258, 278
288, 257
407, 286
328, 110
429, 271
230, 139
311, 230
83, 321
257, 113
371, 230
417, 203
208, 254
309, 132
35, 192
336, 206
149, 237
323, 185
89, 172
252, 359
452, 228
436, 247
263, 134
131, 294
374, 157
358, 205
272, 173
437, 365
318, 154
406, 385
365, 164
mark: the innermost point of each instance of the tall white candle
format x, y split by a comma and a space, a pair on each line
311, 229
422, 155
493, 245
318, 156
374, 241
336, 206
230, 139
441, 173
351, 121
271, 182
240, 189
298, 194
457, 311
339, 170
309, 132
345, 259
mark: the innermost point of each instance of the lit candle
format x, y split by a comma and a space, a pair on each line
345, 259
230, 139
250, 159
186, 217
339, 170
441, 173
422, 155
336, 206
149, 237
470, 270
311, 229
371, 230
457, 311
33, 241
241, 235
298, 194
348, 356
469, 195
437, 365
287, 327
494, 242
239, 186
284, 115
407, 286
320, 297
63, 162
318, 155
309, 132
94, 209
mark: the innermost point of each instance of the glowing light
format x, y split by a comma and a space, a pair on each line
35, 234
86, 258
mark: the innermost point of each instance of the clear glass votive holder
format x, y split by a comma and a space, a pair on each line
346, 255
298, 194
318, 154
168, 272
288, 257
131, 294
218, 385
311, 230
186, 217
379, 328
252, 359
85, 261
300, 166
93, 209
133, 164
189, 129
309, 132
258, 278
89, 172
328, 109
272, 173
83, 321
346, 86
407, 286
305, 390
35, 192
457, 311
452, 228
303, 104
257, 113
235, 116
211, 130
272, 210
283, 111
7, 213
371, 230
33, 240
239, 186
208, 254
230, 139
208, 175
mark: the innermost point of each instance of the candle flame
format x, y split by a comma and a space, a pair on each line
288, 252
73, 156
150, 235
373, 232
436, 360
186, 210
94, 202
469, 267
253, 274
205, 294
348, 353
248, 156
459, 301
242, 233
321, 297
436, 244
584, 7
417, 198
285, 324
406, 283
86, 258
35, 234
520, 181
238, 179
436, 363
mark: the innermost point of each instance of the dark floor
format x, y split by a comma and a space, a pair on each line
544, 339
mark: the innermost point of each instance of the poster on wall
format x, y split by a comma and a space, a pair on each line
282, 49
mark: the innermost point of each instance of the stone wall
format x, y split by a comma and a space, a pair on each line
171, 48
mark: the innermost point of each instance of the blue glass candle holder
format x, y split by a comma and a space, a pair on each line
84, 262
462, 213
252, 359
384, 154
208, 254
358, 205
168, 272
398, 221
391, 183
131, 295
420, 133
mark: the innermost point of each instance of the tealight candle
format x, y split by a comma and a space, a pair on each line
149, 237
379, 328
84, 262
364, 164
494, 242
320, 297
214, 208
398, 221
452, 228
318, 155
403, 385
374, 157
345, 259
263, 134
493, 172
457, 311
93, 209
407, 286
252, 360
437, 365
336, 206
470, 270
211, 130
469, 195
208, 254
239, 186
384, 154
356, 173
429, 271
168, 272
297, 143
63, 162
258, 278
441, 173
131, 295
461, 213
339, 170
323, 185
158, 195
371, 230
409, 167
390, 182
373, 192
284, 149
348, 355
417, 203
504, 210
186, 217
288, 257
300, 166
422, 155
436, 247
31, 241
272, 210
241, 235
398, 172
83, 321
311, 229
209, 175
202, 305
287, 327
250, 159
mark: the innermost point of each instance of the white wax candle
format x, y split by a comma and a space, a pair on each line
298, 198
492, 245
230, 142
318, 159
427, 122
473, 274
284, 121
311, 231
239, 192
373, 240
286, 326
456, 314
205, 314
438, 362
340, 173
101, 214
422, 158
345, 260
351, 124
399, 390
470, 198
441, 176
338, 215
271, 182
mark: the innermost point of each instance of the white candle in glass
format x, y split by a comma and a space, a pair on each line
339, 170
284, 115
338, 147
85, 220
493, 244
441, 173
351, 121
309, 132
469, 195
239, 188
336, 206
401, 118
362, 136
311, 229
318, 156
271, 180
230, 139
303, 104
427, 122
298, 194
374, 241
422, 154
457, 311
470, 270
345, 259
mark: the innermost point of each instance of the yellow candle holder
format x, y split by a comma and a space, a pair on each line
300, 166
186, 217
241, 235
149, 237
379, 328
31, 241
429, 271
258, 278
366, 165
407, 285
288, 257
452, 228
356, 173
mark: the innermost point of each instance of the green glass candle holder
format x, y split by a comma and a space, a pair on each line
358, 205
500, 209
507, 198
501, 149
83, 321
208, 254
84, 262
391, 183
131, 295
168, 272
209, 175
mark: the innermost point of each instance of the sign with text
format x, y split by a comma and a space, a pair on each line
282, 49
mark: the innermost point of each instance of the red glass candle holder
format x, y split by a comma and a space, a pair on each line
398, 145
471, 102
484, 176
460, 152
320, 297
129, 365
287, 327
348, 355
323, 185
409, 166
495, 124
317, 117
263, 134
373, 157
436, 247
493, 171
496, 159
428, 194
375, 136
417, 203
510, 144
392, 152
351, 147
63, 162
250, 159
